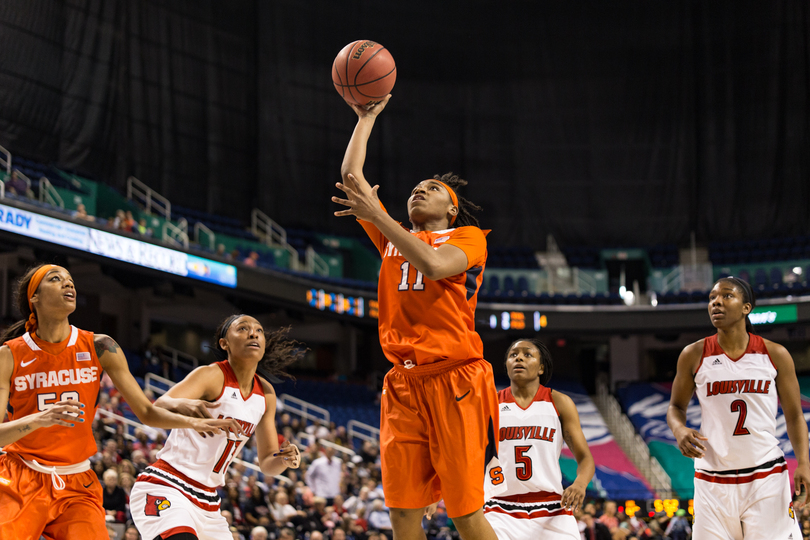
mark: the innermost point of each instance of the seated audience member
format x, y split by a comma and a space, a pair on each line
258, 533
115, 500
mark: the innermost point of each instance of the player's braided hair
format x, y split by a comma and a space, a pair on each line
465, 206
20, 298
279, 351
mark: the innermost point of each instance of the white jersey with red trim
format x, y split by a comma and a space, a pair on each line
206, 460
738, 403
529, 444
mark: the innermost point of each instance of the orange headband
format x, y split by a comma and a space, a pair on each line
33, 285
453, 197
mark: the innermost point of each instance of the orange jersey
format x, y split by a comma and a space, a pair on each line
424, 321
45, 373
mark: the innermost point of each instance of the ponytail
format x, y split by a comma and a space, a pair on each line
20, 298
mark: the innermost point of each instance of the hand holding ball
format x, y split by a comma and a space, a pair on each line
364, 72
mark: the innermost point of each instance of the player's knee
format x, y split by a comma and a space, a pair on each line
469, 521
178, 536
406, 517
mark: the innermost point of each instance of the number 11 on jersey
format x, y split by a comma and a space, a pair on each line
403, 283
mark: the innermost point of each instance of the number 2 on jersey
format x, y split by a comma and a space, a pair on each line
403, 283
740, 406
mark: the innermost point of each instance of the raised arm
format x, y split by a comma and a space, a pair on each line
682, 389
15, 430
355, 156
272, 459
787, 386
114, 362
575, 439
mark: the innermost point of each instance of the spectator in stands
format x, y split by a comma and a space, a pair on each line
610, 519
286, 534
252, 259
131, 534
119, 219
379, 518
370, 452
81, 213
356, 505
220, 252
125, 480
281, 510
17, 185
256, 506
593, 530
129, 224
678, 528
325, 474
115, 500
258, 533
142, 229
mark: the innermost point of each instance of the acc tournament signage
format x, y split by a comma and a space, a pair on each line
113, 246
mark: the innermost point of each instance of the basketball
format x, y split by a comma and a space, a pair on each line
364, 72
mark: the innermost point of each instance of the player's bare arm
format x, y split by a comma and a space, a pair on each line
194, 395
574, 495
355, 156
683, 387
114, 362
435, 264
787, 387
272, 459
63, 413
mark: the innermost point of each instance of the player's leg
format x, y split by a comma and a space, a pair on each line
770, 497
716, 509
409, 480
24, 503
464, 412
77, 511
407, 523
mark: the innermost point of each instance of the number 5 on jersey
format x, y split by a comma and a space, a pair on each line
48, 400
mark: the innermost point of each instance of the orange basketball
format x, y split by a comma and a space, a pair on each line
364, 72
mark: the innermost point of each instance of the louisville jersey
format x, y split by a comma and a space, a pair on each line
198, 465
529, 445
45, 373
738, 403
423, 321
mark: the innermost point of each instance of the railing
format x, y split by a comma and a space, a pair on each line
315, 263
583, 283
672, 281
175, 357
364, 432
263, 227
173, 234
140, 192
631, 442
25, 179
200, 228
150, 431
150, 379
301, 435
5, 160
48, 194
306, 410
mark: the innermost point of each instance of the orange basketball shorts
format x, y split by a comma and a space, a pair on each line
437, 434
30, 506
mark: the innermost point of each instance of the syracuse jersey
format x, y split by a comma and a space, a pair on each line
738, 402
195, 465
423, 321
45, 373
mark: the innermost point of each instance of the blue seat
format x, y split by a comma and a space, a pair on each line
760, 278
523, 286
509, 285
776, 276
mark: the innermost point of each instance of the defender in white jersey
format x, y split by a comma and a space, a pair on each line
176, 497
742, 485
534, 422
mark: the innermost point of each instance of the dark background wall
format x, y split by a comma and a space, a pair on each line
622, 123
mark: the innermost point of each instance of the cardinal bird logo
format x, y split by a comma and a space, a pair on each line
155, 504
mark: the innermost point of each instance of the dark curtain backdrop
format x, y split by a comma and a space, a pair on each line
621, 123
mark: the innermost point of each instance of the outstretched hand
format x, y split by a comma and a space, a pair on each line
362, 202
369, 111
